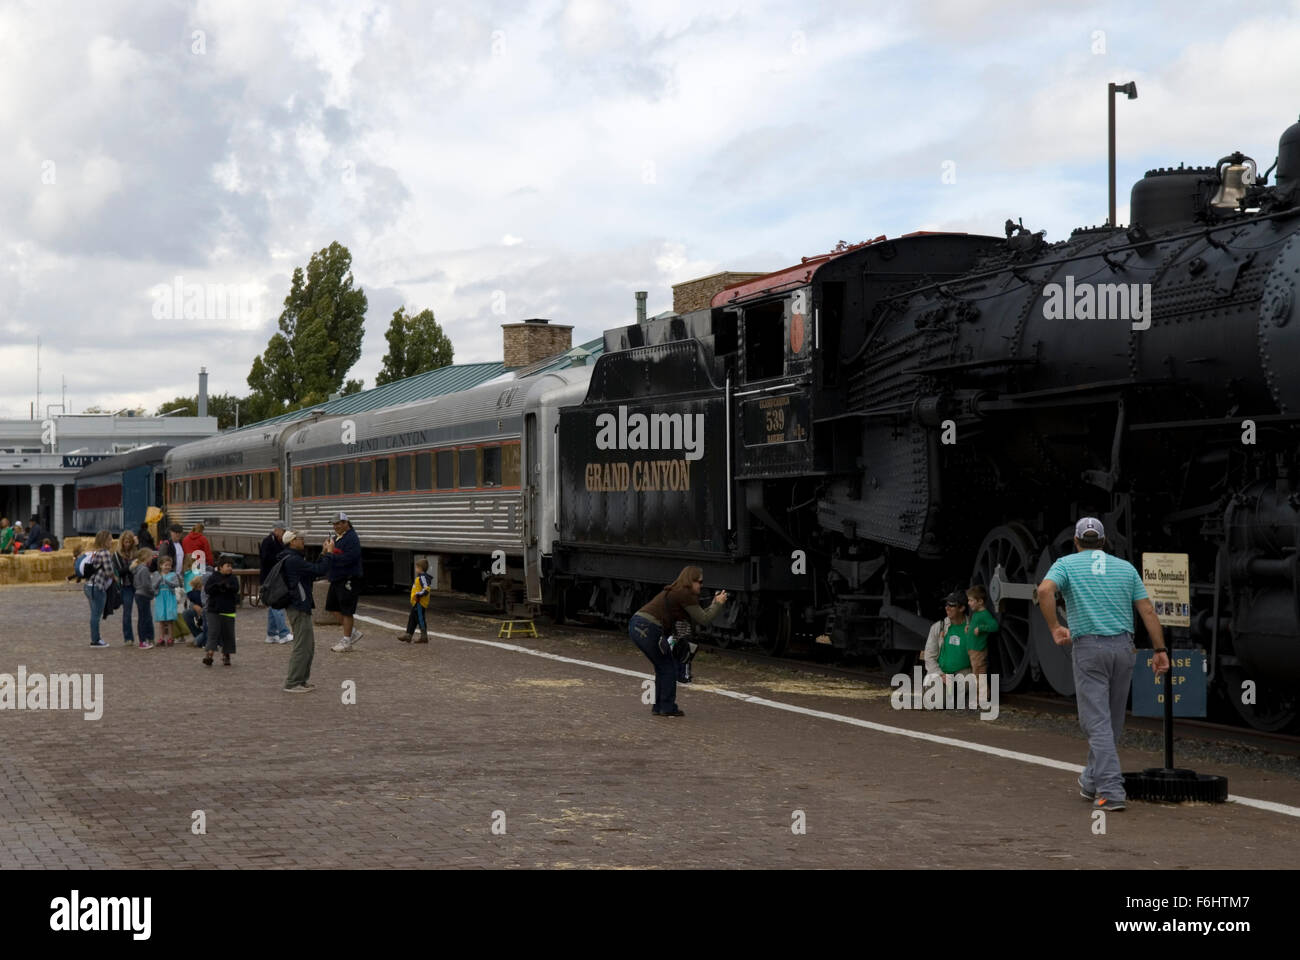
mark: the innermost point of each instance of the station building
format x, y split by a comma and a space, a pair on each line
39, 459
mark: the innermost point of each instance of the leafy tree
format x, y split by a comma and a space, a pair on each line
220, 405
319, 340
415, 344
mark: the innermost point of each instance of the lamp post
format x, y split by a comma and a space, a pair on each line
1130, 88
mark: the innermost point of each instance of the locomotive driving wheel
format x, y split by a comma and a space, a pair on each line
1056, 662
1011, 551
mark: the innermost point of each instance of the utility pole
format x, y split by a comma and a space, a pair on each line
38, 373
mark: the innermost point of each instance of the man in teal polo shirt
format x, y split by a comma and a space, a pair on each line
1100, 593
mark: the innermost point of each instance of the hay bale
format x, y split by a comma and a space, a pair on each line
23, 568
61, 564
40, 567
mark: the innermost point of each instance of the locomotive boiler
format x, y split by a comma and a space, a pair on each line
902, 416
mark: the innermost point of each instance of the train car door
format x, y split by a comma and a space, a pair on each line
532, 509
135, 496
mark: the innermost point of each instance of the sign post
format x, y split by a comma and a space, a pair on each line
1165, 576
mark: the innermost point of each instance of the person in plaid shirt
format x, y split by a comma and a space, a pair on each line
96, 587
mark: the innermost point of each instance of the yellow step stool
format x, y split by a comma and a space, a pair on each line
510, 627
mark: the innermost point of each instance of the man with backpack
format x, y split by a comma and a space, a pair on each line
293, 571
277, 626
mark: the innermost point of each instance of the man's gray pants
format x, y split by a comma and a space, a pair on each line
303, 649
1103, 672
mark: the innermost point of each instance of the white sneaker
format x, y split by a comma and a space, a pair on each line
271, 639
343, 646
356, 637
287, 638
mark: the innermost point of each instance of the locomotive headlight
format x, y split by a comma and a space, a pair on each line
1236, 173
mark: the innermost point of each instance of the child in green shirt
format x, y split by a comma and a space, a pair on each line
981, 624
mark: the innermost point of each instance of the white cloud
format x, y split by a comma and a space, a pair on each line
633, 145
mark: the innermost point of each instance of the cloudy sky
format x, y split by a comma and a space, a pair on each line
502, 159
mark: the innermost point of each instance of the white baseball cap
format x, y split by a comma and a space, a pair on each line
1089, 528
341, 517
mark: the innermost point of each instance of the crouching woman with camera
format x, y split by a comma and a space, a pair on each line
677, 601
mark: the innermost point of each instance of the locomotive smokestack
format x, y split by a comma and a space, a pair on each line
203, 392
640, 305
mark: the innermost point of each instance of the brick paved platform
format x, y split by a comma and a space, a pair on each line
442, 736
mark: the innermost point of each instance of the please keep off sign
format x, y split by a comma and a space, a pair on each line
1188, 669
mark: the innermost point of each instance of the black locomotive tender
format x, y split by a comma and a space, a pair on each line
838, 443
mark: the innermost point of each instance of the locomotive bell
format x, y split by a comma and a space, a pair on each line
1234, 178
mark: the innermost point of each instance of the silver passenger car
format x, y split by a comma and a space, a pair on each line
435, 476
231, 483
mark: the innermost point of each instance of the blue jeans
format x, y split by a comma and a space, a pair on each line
646, 636
192, 621
277, 624
128, 607
1103, 672
97, 598
143, 616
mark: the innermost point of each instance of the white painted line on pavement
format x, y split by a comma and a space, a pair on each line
1268, 805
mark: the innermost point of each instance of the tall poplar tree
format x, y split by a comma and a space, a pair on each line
319, 341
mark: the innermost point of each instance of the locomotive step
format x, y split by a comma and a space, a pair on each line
510, 627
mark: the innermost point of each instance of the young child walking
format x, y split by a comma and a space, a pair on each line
223, 595
165, 584
142, 579
420, 591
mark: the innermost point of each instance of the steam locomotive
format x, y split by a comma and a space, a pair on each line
838, 443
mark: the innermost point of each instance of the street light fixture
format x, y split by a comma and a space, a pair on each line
1130, 88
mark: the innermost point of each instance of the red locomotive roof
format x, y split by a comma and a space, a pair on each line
797, 275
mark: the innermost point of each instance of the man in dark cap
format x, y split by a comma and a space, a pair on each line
961, 651
1100, 592
344, 555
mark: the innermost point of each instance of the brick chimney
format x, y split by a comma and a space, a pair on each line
698, 294
533, 340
